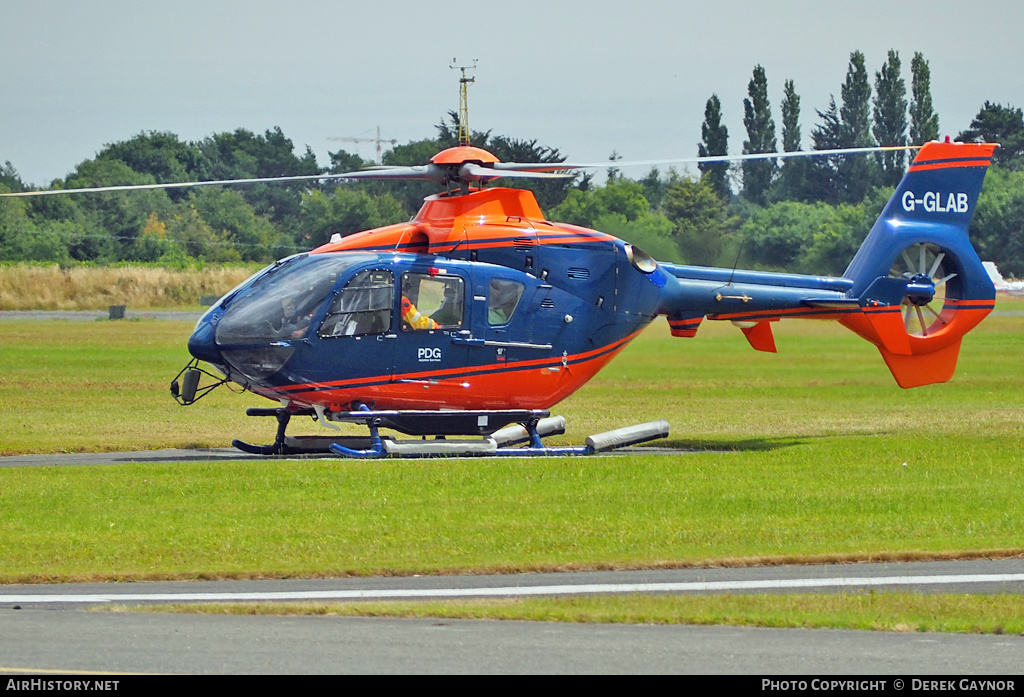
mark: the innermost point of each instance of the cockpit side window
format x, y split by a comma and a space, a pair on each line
363, 306
432, 302
502, 300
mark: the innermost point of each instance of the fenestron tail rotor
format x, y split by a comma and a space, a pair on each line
926, 264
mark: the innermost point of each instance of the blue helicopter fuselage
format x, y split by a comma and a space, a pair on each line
485, 335
480, 303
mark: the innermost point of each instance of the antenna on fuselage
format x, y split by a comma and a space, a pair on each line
464, 99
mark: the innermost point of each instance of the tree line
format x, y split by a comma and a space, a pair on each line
810, 215
803, 215
252, 222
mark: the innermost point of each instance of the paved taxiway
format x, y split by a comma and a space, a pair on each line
58, 632
66, 641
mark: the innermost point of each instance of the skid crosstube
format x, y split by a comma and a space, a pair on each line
411, 422
443, 423
498, 429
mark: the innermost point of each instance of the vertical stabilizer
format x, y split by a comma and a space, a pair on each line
920, 283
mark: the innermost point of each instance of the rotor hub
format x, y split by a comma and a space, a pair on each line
920, 290
462, 154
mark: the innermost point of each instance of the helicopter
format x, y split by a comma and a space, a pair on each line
478, 315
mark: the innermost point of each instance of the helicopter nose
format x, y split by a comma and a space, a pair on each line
202, 344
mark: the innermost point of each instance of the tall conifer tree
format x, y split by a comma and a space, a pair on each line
855, 173
924, 122
891, 118
792, 183
757, 118
715, 142
856, 108
823, 172
790, 118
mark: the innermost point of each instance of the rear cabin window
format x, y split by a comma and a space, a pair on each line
502, 300
432, 302
363, 306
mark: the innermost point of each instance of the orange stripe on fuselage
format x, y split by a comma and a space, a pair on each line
492, 386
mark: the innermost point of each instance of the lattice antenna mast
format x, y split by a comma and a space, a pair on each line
464, 99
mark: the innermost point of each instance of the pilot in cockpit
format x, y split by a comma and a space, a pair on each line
450, 312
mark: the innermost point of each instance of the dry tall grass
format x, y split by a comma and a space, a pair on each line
30, 287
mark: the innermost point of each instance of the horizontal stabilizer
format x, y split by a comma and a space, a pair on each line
760, 336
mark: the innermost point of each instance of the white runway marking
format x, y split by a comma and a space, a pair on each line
512, 591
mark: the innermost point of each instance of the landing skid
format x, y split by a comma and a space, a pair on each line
501, 433
289, 445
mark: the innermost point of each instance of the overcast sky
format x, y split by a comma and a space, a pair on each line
587, 77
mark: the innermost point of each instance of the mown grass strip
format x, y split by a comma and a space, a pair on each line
901, 612
835, 499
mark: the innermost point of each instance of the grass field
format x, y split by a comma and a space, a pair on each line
813, 454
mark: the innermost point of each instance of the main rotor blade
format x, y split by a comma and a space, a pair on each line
174, 185
473, 172
431, 172
468, 171
553, 166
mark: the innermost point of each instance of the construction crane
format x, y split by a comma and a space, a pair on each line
378, 140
